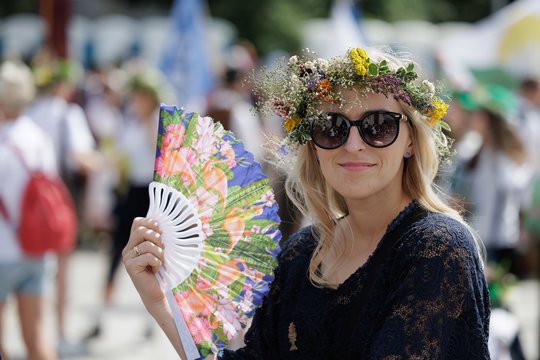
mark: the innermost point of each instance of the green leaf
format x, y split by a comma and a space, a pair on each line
191, 130
236, 287
445, 126
257, 259
372, 69
221, 335
246, 196
215, 257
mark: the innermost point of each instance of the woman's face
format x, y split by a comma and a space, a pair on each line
359, 171
480, 123
142, 104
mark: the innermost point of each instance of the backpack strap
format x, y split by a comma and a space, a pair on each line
19, 155
3, 209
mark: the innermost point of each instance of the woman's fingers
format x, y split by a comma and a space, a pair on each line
145, 222
144, 250
142, 263
143, 230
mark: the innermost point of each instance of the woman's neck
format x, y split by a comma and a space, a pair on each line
368, 219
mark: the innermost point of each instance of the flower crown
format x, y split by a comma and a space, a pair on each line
294, 90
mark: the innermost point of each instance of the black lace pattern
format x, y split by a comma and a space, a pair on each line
427, 300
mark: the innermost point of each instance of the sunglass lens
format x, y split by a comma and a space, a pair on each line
329, 131
380, 129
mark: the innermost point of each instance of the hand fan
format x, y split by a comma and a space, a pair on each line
220, 229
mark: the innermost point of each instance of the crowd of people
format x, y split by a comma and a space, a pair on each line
96, 129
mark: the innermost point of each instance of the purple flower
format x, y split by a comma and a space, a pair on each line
390, 84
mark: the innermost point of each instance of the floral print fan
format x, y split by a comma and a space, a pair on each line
219, 227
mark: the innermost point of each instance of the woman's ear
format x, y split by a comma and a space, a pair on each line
314, 150
409, 150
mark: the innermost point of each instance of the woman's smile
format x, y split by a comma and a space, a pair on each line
356, 165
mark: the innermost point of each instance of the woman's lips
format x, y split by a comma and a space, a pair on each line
356, 165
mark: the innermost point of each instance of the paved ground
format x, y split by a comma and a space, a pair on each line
123, 334
122, 337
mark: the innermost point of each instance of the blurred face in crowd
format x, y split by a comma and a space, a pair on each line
458, 119
480, 122
142, 104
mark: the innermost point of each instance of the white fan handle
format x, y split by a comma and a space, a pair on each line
182, 237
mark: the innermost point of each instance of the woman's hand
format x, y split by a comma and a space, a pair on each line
142, 257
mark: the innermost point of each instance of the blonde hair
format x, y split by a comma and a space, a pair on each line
311, 193
17, 88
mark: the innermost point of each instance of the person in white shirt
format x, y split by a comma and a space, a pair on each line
136, 146
494, 179
21, 276
74, 145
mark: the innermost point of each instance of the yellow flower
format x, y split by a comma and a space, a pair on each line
360, 60
438, 111
291, 123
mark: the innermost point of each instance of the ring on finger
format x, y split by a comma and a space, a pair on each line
136, 251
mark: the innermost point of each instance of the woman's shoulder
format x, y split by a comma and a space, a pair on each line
301, 244
439, 234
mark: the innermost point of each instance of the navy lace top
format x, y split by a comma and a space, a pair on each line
420, 295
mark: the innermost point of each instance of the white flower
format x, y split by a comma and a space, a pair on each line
296, 83
429, 85
293, 60
310, 65
322, 64
230, 319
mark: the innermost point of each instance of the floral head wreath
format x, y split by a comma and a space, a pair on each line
294, 90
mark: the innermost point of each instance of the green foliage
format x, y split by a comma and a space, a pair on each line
407, 74
275, 24
430, 10
270, 25
258, 260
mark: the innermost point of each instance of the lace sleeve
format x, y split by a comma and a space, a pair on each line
439, 308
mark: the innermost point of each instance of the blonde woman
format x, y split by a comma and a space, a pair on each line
387, 270
23, 147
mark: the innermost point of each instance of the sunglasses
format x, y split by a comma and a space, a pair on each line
378, 129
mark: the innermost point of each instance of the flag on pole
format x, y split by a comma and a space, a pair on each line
185, 61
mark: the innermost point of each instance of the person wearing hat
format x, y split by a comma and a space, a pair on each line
136, 146
493, 180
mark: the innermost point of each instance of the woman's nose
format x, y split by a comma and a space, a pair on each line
354, 141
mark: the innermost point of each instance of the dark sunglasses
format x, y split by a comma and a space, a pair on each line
377, 128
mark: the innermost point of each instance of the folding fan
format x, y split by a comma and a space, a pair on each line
220, 229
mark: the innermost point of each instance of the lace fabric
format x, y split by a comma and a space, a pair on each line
428, 300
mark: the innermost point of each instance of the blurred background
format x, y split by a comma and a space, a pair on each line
112, 62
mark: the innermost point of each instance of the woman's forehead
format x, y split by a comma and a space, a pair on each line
356, 102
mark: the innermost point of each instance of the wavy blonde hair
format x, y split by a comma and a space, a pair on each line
309, 191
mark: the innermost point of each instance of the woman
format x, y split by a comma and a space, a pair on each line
136, 144
21, 276
493, 181
387, 271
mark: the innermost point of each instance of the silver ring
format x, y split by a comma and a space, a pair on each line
136, 251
